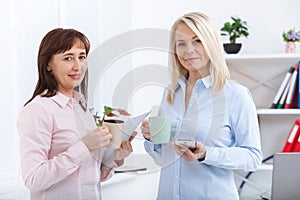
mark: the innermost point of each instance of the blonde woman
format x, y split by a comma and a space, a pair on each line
205, 105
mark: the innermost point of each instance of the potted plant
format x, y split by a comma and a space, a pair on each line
291, 37
110, 112
238, 28
116, 126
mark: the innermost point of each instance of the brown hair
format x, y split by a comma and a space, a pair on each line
54, 42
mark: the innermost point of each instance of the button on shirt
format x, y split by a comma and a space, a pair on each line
226, 123
55, 163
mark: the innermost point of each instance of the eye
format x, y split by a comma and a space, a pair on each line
197, 41
181, 44
82, 57
68, 58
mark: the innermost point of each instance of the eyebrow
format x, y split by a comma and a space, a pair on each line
180, 40
71, 54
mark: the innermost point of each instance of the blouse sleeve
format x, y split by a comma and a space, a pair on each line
245, 128
35, 128
108, 164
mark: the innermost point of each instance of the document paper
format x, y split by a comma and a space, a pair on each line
132, 123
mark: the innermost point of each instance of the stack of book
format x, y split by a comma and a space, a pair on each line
288, 93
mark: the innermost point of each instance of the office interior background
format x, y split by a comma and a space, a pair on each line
24, 23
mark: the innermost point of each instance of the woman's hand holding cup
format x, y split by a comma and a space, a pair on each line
146, 129
97, 139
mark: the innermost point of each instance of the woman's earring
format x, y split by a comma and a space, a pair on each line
48, 69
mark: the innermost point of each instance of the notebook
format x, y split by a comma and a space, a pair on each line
286, 176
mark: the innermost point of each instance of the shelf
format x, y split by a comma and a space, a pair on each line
262, 74
266, 111
262, 60
259, 57
262, 56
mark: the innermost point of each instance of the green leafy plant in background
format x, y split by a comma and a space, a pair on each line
238, 28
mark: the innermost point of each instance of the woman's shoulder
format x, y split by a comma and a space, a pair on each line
236, 87
40, 100
237, 92
39, 103
35, 109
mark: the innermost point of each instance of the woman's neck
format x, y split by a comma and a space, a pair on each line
193, 77
68, 93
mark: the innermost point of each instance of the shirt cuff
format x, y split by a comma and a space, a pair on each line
79, 151
211, 156
146, 138
201, 159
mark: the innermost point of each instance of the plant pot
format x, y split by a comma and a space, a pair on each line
116, 128
290, 47
232, 48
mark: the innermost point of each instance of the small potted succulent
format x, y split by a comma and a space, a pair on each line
291, 37
234, 30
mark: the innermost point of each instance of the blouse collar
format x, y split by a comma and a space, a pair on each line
207, 81
64, 100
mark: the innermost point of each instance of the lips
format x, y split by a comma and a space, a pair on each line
191, 59
75, 76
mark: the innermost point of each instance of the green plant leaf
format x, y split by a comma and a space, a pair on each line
107, 110
238, 28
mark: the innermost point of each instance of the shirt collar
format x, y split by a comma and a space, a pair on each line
181, 81
207, 82
64, 100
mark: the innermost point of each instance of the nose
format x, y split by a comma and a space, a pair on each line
190, 48
77, 65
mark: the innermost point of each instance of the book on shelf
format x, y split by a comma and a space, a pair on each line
297, 145
283, 97
292, 137
288, 94
298, 92
282, 87
293, 90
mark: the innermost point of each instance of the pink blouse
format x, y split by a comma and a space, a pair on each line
55, 163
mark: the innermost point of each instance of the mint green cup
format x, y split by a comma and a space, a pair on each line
160, 129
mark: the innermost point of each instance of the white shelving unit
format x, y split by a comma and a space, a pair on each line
263, 74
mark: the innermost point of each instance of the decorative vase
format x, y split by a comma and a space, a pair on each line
290, 47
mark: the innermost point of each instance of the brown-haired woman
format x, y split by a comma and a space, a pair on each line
61, 148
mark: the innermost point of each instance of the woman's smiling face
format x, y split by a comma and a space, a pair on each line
69, 68
190, 51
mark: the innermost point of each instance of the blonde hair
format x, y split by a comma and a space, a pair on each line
210, 37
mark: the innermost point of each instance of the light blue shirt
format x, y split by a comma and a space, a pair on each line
226, 123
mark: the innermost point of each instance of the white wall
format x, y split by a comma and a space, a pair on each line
24, 23
267, 19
